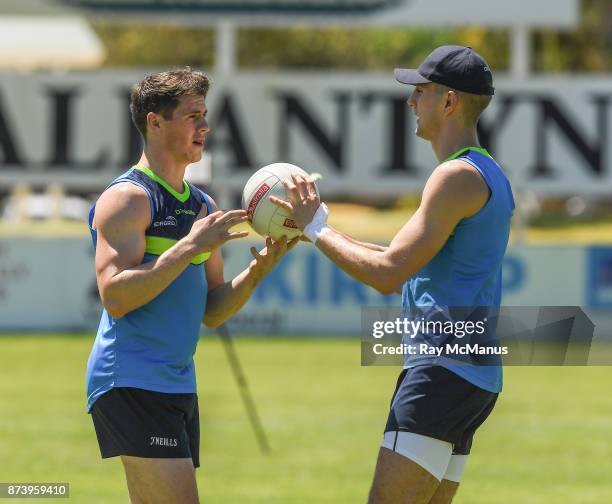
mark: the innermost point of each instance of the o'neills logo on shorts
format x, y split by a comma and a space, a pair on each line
163, 441
290, 224
263, 189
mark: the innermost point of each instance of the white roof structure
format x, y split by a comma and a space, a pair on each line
492, 13
45, 42
37, 34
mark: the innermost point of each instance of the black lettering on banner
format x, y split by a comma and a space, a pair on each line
333, 146
235, 140
489, 128
399, 132
8, 145
593, 152
130, 136
62, 126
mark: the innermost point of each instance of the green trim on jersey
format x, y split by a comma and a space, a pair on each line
465, 149
157, 246
182, 197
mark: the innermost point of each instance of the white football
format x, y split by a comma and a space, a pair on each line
264, 216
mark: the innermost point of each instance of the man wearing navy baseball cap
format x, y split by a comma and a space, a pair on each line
447, 260
457, 67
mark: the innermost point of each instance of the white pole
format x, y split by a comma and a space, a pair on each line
520, 67
520, 54
225, 48
225, 65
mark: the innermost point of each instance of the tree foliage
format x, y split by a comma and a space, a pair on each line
155, 45
583, 50
356, 49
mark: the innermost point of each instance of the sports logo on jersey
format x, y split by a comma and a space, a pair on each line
183, 211
168, 221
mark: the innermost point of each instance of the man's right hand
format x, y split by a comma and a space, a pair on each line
303, 199
211, 231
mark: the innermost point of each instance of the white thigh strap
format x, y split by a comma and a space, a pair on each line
431, 454
455, 469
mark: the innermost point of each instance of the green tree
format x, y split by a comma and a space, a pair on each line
584, 50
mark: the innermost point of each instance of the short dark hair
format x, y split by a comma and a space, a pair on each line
160, 93
473, 104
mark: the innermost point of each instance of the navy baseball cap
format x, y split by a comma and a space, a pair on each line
457, 67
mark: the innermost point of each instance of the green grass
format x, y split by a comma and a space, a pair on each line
548, 441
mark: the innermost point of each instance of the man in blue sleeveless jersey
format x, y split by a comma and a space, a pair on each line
160, 275
447, 255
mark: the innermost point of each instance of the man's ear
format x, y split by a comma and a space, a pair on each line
153, 122
452, 101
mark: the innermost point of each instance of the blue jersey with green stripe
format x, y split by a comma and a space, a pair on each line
466, 273
152, 346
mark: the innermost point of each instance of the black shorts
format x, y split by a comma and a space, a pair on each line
143, 423
435, 402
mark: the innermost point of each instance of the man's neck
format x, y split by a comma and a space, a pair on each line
452, 140
164, 166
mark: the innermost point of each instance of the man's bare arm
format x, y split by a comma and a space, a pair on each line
122, 216
454, 191
371, 246
226, 298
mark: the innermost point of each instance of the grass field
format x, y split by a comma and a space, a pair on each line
548, 441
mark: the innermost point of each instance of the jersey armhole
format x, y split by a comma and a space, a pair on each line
206, 199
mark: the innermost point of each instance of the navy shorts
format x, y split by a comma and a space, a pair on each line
143, 423
435, 402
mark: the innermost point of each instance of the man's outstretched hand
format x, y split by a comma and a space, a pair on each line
303, 200
209, 232
268, 257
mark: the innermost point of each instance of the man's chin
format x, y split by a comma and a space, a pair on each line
421, 134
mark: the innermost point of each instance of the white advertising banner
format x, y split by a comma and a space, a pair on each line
46, 285
552, 135
49, 285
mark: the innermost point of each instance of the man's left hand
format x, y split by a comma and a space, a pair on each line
268, 257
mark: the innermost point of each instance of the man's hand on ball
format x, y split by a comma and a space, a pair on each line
265, 260
211, 231
303, 200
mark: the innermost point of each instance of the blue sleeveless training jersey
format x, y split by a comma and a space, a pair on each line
466, 272
152, 347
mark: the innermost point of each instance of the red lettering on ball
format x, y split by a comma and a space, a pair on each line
263, 189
